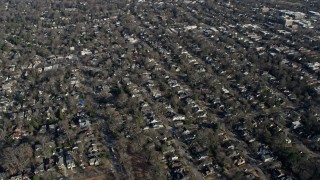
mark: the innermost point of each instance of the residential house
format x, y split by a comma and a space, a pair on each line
70, 162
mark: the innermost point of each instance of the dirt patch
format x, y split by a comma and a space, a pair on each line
95, 173
139, 166
101, 177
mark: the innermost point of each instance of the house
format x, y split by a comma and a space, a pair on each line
157, 125
182, 94
267, 157
296, 124
7, 87
196, 109
85, 52
70, 162
173, 158
239, 161
202, 114
178, 123
228, 145
93, 148
265, 9
178, 117
207, 170
60, 163
168, 149
265, 154
188, 138
202, 155
94, 161
83, 123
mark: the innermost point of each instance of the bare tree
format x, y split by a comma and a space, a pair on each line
16, 159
